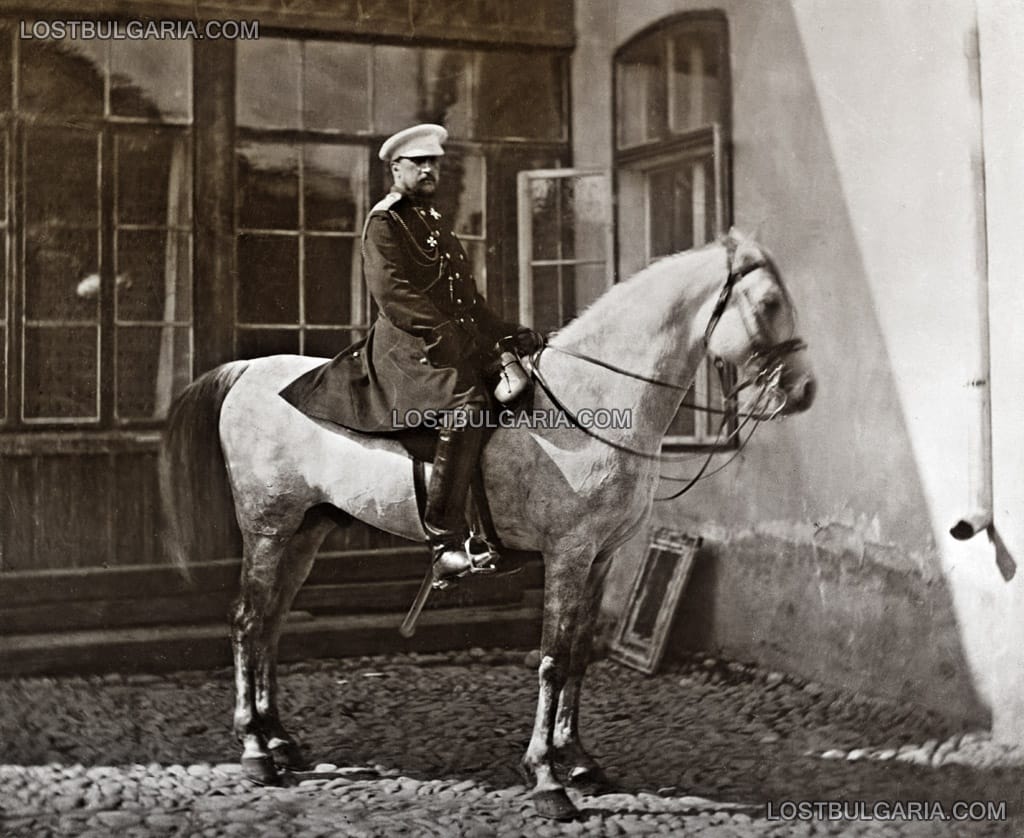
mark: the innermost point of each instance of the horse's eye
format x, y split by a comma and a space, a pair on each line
771, 305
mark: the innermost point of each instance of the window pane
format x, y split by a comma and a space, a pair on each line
326, 343
255, 343
268, 186
154, 364
61, 169
422, 85
62, 77
330, 264
696, 81
590, 283
569, 217
268, 83
6, 76
3, 280
641, 95
546, 303
60, 372
335, 181
154, 179
461, 196
396, 88
3, 372
154, 276
545, 212
268, 284
520, 95
3, 175
61, 274
152, 79
336, 87
682, 206
685, 421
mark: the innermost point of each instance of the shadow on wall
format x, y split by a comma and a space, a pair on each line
820, 558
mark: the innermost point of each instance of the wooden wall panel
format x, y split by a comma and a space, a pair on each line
72, 505
136, 513
17, 550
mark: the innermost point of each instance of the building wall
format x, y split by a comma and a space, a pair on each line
857, 140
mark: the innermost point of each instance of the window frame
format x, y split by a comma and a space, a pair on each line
676, 147
525, 234
107, 126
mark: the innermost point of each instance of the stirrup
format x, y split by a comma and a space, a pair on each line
432, 581
482, 555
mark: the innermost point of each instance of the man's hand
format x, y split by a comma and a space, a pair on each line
527, 340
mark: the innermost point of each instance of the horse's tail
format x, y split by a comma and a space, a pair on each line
195, 494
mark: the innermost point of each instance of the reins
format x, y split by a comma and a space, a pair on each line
767, 369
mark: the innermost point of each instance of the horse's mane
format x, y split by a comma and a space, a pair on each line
663, 284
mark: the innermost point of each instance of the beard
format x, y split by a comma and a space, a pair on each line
424, 187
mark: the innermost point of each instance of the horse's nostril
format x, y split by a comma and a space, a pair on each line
808, 392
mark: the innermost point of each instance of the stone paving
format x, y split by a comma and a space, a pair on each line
427, 745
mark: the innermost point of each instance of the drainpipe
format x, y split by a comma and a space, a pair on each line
978, 514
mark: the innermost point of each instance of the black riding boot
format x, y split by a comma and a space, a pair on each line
444, 519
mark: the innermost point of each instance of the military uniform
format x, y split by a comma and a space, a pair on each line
428, 347
433, 335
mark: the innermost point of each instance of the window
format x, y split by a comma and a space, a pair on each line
672, 166
308, 172
100, 145
564, 244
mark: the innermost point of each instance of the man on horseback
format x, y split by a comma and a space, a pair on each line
431, 346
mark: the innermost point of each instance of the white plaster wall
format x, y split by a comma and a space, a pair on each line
857, 145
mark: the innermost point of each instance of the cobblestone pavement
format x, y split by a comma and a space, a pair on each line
423, 745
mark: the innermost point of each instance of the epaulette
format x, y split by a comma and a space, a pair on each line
385, 204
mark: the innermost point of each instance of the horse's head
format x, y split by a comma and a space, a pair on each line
752, 325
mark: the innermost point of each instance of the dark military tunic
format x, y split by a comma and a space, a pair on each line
433, 335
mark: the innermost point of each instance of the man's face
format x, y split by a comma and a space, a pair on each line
416, 176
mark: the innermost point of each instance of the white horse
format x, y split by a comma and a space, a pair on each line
573, 496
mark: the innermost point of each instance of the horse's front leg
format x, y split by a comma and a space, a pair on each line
565, 578
581, 768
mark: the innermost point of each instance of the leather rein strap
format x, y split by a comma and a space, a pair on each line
768, 355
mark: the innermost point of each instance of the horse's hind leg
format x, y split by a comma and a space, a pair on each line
298, 561
273, 570
581, 768
261, 558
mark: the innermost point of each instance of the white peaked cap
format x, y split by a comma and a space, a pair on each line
419, 141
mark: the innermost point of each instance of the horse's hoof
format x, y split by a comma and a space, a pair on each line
554, 804
591, 779
289, 756
260, 770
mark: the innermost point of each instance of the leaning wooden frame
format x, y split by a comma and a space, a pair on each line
642, 631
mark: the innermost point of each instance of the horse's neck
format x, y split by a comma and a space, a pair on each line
647, 325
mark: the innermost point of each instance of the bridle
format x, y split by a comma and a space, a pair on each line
766, 358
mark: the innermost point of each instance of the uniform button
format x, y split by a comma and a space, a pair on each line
447, 256
355, 354
462, 256
459, 300
423, 361
458, 275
